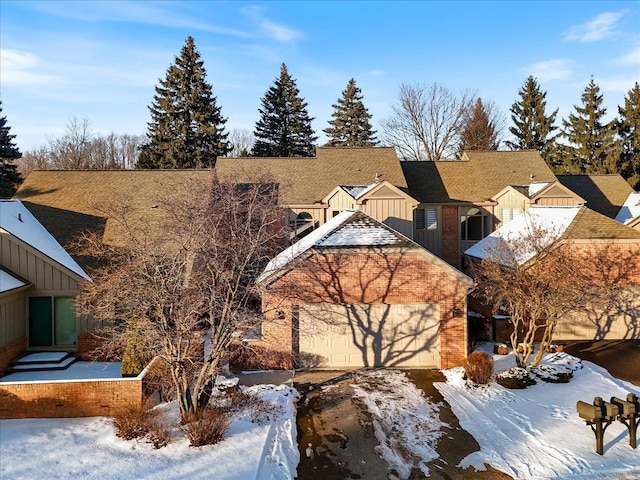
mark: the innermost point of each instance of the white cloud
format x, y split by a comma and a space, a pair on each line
631, 58
618, 84
134, 12
597, 29
277, 32
558, 69
377, 73
17, 68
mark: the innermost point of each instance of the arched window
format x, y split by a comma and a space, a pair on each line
303, 218
475, 224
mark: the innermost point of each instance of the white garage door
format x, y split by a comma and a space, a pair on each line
354, 335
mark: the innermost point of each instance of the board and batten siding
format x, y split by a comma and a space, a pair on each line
339, 202
13, 311
429, 238
397, 213
46, 277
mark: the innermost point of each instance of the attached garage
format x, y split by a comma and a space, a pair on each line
356, 293
356, 335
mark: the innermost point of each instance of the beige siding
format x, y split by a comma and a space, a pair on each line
394, 212
46, 276
13, 325
431, 239
511, 201
339, 202
557, 196
316, 213
621, 323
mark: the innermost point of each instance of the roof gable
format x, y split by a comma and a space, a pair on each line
17, 221
349, 229
604, 194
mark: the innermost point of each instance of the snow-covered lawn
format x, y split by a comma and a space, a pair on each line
529, 434
536, 433
88, 448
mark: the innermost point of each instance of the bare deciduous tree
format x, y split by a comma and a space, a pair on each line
80, 148
426, 122
187, 274
540, 280
241, 142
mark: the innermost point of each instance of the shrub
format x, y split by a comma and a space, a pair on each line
478, 367
515, 378
134, 358
251, 357
249, 406
207, 427
132, 422
158, 435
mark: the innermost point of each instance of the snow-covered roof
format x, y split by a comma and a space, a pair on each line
535, 187
350, 228
18, 221
546, 224
9, 282
630, 209
357, 191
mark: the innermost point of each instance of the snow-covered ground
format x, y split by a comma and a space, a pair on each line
88, 448
529, 434
536, 433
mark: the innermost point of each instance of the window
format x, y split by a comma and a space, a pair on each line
303, 218
426, 219
475, 224
509, 214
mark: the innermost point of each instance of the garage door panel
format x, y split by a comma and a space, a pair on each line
353, 336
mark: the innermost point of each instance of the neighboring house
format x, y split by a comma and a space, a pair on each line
356, 293
582, 229
604, 194
629, 213
316, 189
464, 201
38, 282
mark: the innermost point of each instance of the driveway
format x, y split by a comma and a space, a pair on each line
342, 440
620, 357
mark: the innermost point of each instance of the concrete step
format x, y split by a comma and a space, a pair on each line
41, 361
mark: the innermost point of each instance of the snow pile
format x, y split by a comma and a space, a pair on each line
536, 433
406, 424
88, 448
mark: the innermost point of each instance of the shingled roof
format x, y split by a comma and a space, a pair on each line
475, 178
604, 194
305, 181
69, 202
556, 223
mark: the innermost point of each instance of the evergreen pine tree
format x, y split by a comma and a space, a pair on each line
350, 126
479, 132
533, 128
10, 179
628, 126
592, 144
284, 128
187, 127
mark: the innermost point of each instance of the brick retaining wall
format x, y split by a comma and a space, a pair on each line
70, 398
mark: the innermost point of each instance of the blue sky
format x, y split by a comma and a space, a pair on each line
101, 60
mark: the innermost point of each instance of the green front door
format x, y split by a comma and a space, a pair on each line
52, 321
40, 322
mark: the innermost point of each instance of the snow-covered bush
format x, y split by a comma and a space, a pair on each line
478, 367
516, 378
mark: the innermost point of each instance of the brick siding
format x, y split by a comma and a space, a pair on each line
363, 278
450, 235
11, 352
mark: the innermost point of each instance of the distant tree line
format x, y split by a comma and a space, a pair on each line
427, 123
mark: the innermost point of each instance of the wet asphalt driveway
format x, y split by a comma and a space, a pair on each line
337, 440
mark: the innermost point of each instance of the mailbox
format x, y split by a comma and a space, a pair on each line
626, 408
589, 412
610, 409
